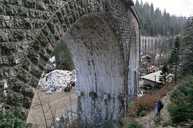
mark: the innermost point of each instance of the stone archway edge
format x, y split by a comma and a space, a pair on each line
59, 10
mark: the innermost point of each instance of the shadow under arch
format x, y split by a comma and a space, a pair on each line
63, 57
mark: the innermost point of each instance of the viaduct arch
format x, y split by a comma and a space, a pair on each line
102, 35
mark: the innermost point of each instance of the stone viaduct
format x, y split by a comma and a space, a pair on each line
158, 47
102, 35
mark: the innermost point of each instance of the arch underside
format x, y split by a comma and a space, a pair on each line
99, 65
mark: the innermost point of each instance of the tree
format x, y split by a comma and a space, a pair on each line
63, 57
181, 105
187, 49
174, 59
155, 23
164, 74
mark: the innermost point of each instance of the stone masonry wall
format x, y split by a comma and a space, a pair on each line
29, 31
157, 47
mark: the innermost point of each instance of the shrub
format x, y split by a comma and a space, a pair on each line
63, 57
147, 102
11, 120
134, 125
181, 107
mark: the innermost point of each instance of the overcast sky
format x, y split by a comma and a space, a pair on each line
175, 7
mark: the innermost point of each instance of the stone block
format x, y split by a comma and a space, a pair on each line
15, 2
42, 39
44, 54
23, 12
4, 60
18, 35
16, 86
26, 23
3, 36
45, 15
25, 64
38, 24
10, 10
33, 55
40, 5
33, 82
2, 10
29, 3
51, 27
23, 75
27, 102
35, 71
27, 92
14, 98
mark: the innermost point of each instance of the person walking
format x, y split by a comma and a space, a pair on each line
158, 107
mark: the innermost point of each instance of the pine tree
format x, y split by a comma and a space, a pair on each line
187, 49
174, 59
155, 23
164, 74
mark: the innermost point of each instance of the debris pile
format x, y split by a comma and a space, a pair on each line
57, 81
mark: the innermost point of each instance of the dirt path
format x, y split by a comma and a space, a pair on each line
54, 105
148, 120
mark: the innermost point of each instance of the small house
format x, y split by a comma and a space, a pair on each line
151, 80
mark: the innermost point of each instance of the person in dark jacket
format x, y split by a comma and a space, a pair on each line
158, 107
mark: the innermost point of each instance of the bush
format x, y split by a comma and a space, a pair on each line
181, 107
134, 125
11, 120
63, 57
146, 103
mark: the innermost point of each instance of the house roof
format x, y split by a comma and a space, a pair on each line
154, 77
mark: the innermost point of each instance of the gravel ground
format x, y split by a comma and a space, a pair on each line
54, 105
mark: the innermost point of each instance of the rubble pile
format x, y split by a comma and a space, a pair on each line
57, 80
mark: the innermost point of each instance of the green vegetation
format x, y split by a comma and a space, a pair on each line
155, 23
164, 74
63, 57
134, 125
10, 119
12, 113
174, 58
187, 48
181, 107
